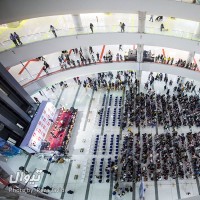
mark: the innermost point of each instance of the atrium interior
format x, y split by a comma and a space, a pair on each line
100, 102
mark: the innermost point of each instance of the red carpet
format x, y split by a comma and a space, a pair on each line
59, 134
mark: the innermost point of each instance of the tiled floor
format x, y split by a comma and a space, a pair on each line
85, 139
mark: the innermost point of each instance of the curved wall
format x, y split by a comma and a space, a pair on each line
36, 49
23, 9
92, 69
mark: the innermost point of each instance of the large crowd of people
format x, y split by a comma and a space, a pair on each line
163, 155
78, 57
180, 62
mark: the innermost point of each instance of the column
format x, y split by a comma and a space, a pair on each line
139, 78
77, 23
139, 75
141, 21
14, 107
197, 33
140, 49
14, 130
14, 90
190, 56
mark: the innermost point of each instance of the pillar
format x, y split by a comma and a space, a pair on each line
190, 56
139, 78
140, 49
13, 87
16, 108
77, 23
141, 21
197, 32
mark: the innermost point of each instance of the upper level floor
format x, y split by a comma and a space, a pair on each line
37, 29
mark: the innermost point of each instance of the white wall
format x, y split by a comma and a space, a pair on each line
92, 69
33, 50
23, 9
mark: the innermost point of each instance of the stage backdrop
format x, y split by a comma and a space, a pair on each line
39, 128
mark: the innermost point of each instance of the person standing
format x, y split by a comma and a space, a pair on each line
97, 56
91, 50
151, 18
12, 37
53, 30
17, 38
172, 60
120, 47
46, 64
122, 25
162, 27
91, 27
36, 100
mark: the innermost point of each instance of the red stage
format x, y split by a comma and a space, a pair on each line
61, 128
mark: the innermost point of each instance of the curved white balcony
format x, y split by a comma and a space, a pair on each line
41, 36
36, 49
56, 75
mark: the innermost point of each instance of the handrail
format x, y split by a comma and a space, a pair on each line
8, 44
173, 32
32, 80
192, 1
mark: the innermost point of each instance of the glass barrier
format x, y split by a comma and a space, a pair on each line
176, 33
189, 1
8, 44
51, 71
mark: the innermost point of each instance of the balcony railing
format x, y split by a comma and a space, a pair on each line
34, 77
8, 44
175, 33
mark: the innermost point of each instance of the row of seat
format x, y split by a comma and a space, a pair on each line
114, 117
107, 116
116, 101
110, 100
119, 117
104, 100
101, 116
111, 147
111, 144
96, 145
100, 176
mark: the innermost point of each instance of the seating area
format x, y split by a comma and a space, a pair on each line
101, 169
109, 144
110, 108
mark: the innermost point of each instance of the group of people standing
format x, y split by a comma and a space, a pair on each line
180, 62
16, 39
